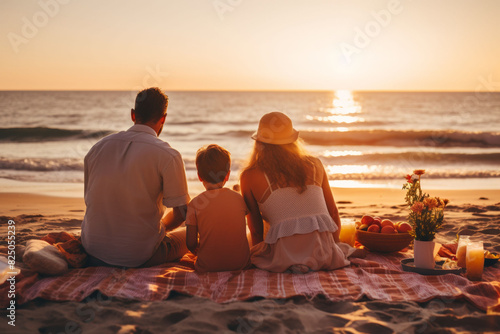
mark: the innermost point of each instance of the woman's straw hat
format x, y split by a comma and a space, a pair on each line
276, 128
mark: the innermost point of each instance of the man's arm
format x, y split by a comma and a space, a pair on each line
175, 217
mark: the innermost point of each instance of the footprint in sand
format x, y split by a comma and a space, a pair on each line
173, 318
334, 307
475, 209
371, 327
492, 231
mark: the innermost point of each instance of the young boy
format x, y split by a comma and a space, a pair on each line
218, 216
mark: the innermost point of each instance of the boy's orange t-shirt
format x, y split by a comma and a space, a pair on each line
219, 215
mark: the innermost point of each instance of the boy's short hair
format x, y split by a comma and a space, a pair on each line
213, 163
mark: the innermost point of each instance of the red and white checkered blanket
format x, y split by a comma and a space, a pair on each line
378, 277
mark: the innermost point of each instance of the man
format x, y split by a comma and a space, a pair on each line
130, 177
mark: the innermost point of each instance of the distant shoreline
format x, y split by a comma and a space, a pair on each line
75, 190
256, 90
17, 203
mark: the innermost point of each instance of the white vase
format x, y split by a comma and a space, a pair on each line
424, 254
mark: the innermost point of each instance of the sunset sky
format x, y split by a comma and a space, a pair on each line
250, 45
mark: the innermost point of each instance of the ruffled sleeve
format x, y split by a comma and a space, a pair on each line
300, 225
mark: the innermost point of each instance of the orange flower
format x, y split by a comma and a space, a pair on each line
442, 202
419, 172
431, 202
417, 207
408, 178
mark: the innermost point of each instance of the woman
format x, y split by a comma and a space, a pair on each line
290, 190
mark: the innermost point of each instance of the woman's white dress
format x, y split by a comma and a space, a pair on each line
300, 232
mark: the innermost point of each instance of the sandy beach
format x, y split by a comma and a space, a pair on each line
472, 212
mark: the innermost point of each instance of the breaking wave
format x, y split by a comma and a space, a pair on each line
47, 134
402, 138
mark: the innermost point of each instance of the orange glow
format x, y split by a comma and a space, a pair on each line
295, 46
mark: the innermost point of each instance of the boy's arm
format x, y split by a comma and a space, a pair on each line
192, 230
192, 238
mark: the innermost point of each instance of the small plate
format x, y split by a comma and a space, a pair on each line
409, 265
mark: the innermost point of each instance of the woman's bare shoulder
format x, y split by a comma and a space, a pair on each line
319, 170
255, 180
250, 173
317, 162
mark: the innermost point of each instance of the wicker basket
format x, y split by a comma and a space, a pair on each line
383, 242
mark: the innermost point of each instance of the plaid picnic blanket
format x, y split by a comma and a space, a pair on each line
378, 277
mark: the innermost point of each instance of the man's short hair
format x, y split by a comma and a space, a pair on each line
213, 163
150, 105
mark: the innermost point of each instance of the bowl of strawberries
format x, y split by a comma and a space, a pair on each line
383, 235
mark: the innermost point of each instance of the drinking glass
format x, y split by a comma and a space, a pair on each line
462, 250
348, 233
475, 260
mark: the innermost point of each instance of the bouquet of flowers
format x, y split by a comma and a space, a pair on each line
426, 213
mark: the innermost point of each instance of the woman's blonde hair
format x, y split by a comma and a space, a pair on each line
284, 165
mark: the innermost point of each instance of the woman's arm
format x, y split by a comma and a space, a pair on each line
254, 218
330, 202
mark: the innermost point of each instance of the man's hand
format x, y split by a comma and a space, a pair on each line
175, 217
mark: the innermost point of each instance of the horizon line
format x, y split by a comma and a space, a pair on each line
254, 90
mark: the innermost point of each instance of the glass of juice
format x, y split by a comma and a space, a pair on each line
462, 250
348, 233
475, 260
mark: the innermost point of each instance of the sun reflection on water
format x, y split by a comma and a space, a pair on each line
343, 153
360, 184
349, 169
341, 129
336, 119
343, 104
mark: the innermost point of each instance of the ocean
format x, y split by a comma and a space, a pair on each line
365, 139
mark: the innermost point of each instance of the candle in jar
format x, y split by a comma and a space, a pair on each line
348, 233
475, 261
462, 250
